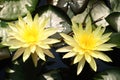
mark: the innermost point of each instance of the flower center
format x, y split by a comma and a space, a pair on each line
87, 41
31, 35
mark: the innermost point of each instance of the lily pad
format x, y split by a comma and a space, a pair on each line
11, 9
114, 20
112, 74
115, 39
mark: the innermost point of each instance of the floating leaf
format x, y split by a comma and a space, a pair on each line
115, 5
114, 20
115, 39
78, 6
11, 9
112, 74
98, 12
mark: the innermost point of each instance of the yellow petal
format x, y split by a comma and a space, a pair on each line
80, 66
51, 41
42, 22
77, 58
88, 57
93, 64
48, 32
33, 48
70, 54
40, 53
101, 56
36, 19
106, 35
47, 52
35, 59
18, 53
88, 27
105, 47
26, 54
64, 49
12, 26
68, 39
44, 46
98, 31
102, 41
28, 19
13, 43
21, 22
75, 28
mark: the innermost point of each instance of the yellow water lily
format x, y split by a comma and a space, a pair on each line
30, 37
86, 44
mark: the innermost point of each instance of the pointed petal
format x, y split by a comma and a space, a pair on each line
13, 27
75, 28
28, 18
64, 49
40, 53
35, 59
68, 39
21, 22
26, 54
80, 66
13, 43
49, 31
43, 45
70, 54
101, 56
47, 52
33, 48
99, 31
43, 22
51, 41
87, 57
106, 35
103, 39
77, 59
93, 64
88, 27
18, 53
105, 47
36, 19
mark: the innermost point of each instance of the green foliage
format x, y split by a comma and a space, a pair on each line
112, 74
115, 39
114, 20
11, 9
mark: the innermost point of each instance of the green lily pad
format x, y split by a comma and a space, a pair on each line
115, 4
112, 74
115, 39
114, 20
11, 9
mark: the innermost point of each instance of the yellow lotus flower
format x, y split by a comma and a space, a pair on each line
86, 44
31, 37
